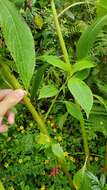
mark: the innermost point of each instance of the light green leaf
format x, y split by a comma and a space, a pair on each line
81, 180
83, 64
55, 61
74, 110
58, 151
43, 139
48, 91
82, 94
18, 39
18, 3
1, 186
83, 74
101, 7
89, 36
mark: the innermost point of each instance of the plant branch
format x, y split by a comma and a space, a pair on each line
84, 135
70, 6
62, 43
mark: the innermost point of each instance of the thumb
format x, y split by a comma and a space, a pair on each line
11, 100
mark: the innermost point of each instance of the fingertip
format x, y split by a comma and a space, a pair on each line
19, 93
11, 118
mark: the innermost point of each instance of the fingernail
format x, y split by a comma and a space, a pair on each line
20, 93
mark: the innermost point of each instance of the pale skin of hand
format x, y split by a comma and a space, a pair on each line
8, 99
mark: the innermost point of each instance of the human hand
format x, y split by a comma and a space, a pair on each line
8, 99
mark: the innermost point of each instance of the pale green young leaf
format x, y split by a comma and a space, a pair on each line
89, 36
1, 186
43, 139
101, 8
58, 151
48, 91
18, 39
55, 61
82, 93
83, 64
73, 109
81, 180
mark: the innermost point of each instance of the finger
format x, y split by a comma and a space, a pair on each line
11, 117
1, 118
4, 93
11, 100
3, 128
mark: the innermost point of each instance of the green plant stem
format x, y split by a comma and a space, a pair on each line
66, 57
41, 124
84, 136
62, 43
15, 84
54, 100
70, 6
68, 176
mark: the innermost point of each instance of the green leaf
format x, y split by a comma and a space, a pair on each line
1, 186
37, 80
101, 100
58, 151
74, 110
18, 3
81, 180
48, 91
18, 39
82, 93
89, 36
55, 61
43, 139
101, 8
83, 74
83, 64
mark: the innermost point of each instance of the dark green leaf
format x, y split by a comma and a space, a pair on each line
37, 80
89, 36
18, 39
74, 110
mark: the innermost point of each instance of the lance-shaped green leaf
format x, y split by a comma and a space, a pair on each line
18, 39
73, 109
83, 64
89, 36
81, 180
101, 7
82, 93
55, 61
48, 91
